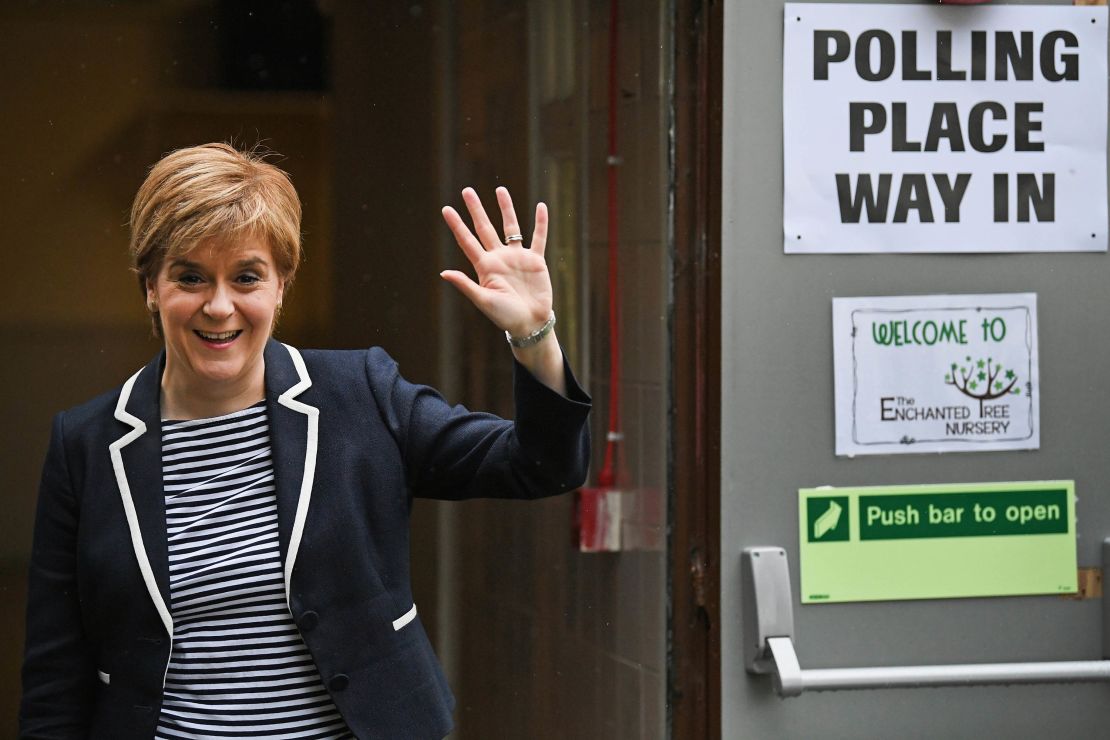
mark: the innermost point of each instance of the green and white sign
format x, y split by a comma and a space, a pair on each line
937, 541
936, 373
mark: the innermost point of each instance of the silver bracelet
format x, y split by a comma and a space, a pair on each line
534, 337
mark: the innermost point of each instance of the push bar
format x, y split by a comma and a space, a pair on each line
768, 631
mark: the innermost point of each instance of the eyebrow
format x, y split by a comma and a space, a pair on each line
249, 262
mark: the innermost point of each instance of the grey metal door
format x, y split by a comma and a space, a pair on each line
777, 437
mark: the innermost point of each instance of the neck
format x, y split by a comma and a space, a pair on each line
186, 397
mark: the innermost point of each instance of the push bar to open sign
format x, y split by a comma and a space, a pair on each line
768, 628
955, 514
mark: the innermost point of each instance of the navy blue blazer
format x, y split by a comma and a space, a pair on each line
352, 444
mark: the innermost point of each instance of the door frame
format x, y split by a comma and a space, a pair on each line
693, 605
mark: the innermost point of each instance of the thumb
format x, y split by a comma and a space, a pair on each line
464, 284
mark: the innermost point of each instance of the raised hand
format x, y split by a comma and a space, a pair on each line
513, 289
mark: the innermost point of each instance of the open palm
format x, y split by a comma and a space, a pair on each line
513, 288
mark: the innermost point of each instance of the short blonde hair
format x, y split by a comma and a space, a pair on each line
213, 190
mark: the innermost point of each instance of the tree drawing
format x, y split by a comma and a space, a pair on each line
982, 380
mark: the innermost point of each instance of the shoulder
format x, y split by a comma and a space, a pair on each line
352, 384
95, 408
90, 414
340, 363
97, 418
349, 374
344, 363
82, 429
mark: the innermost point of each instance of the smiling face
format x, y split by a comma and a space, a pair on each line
217, 304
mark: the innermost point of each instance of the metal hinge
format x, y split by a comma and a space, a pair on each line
697, 577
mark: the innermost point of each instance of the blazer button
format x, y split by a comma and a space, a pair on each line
339, 682
308, 621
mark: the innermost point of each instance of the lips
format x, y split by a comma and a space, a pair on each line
218, 337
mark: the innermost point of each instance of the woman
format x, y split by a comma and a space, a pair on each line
221, 544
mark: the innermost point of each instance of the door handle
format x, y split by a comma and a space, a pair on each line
768, 633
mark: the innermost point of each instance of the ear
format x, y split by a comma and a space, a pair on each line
280, 289
151, 294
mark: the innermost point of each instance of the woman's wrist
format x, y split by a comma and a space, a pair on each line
529, 338
544, 360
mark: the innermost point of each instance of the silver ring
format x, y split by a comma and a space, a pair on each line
514, 238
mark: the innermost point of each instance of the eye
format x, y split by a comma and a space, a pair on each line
248, 278
189, 279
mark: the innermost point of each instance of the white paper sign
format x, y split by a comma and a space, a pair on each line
941, 373
925, 128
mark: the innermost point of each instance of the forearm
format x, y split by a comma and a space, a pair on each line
545, 361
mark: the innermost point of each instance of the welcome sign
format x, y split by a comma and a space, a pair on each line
918, 128
942, 373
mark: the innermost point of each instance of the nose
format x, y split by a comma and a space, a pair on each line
219, 304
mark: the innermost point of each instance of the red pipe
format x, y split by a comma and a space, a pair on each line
607, 476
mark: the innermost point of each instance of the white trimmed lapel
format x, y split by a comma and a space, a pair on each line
294, 434
137, 463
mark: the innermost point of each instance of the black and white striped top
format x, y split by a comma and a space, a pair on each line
238, 666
